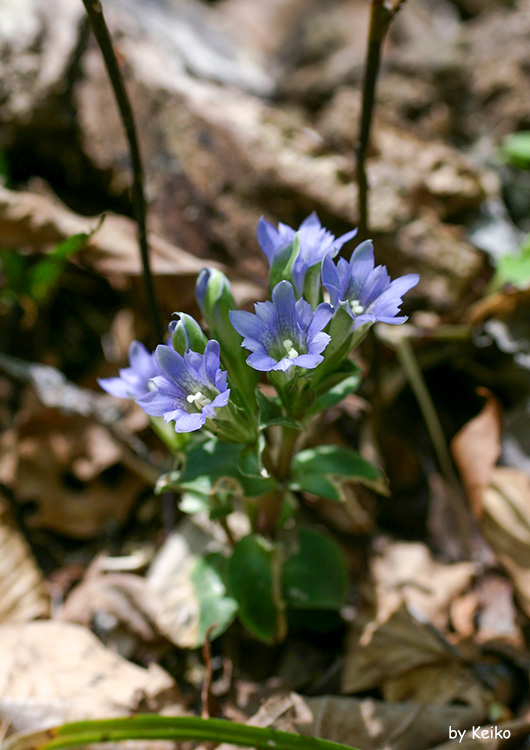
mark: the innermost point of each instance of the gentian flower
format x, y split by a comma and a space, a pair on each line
189, 388
315, 243
365, 292
133, 381
284, 332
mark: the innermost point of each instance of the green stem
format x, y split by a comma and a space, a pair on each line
101, 33
166, 728
287, 449
419, 387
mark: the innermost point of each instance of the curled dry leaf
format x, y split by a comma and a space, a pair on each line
122, 606
506, 525
407, 572
54, 672
500, 496
22, 593
476, 449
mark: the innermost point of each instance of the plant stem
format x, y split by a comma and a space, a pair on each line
427, 408
287, 448
99, 27
166, 728
381, 15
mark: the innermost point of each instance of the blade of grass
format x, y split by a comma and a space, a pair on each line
99, 28
166, 728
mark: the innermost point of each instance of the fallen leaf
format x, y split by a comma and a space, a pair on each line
53, 672
365, 723
384, 650
70, 470
506, 525
121, 607
476, 449
407, 572
22, 590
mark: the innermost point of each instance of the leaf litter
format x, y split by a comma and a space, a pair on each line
433, 639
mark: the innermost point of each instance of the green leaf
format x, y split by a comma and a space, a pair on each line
336, 461
515, 269
336, 387
283, 263
271, 413
516, 148
46, 273
249, 463
216, 607
171, 728
14, 268
317, 485
316, 576
212, 459
253, 578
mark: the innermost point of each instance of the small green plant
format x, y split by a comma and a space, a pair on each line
237, 406
30, 284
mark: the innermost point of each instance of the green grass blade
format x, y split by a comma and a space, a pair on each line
154, 727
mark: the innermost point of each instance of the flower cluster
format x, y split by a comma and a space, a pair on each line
183, 381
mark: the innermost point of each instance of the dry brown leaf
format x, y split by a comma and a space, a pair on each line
407, 572
364, 723
54, 672
506, 526
123, 607
476, 449
39, 221
385, 650
22, 591
60, 464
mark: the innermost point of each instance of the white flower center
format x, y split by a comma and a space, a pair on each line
199, 400
356, 307
289, 348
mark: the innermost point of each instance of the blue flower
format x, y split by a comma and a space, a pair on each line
283, 332
315, 243
133, 381
367, 293
189, 388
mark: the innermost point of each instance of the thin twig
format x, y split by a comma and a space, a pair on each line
99, 27
206, 691
381, 16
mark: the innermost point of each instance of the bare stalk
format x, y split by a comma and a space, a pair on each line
381, 15
99, 27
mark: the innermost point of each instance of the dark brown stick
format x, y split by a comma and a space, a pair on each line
99, 27
381, 16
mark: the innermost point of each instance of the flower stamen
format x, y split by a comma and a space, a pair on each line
199, 400
356, 307
289, 348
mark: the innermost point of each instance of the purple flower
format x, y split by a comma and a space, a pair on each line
189, 388
315, 243
283, 332
368, 293
133, 381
